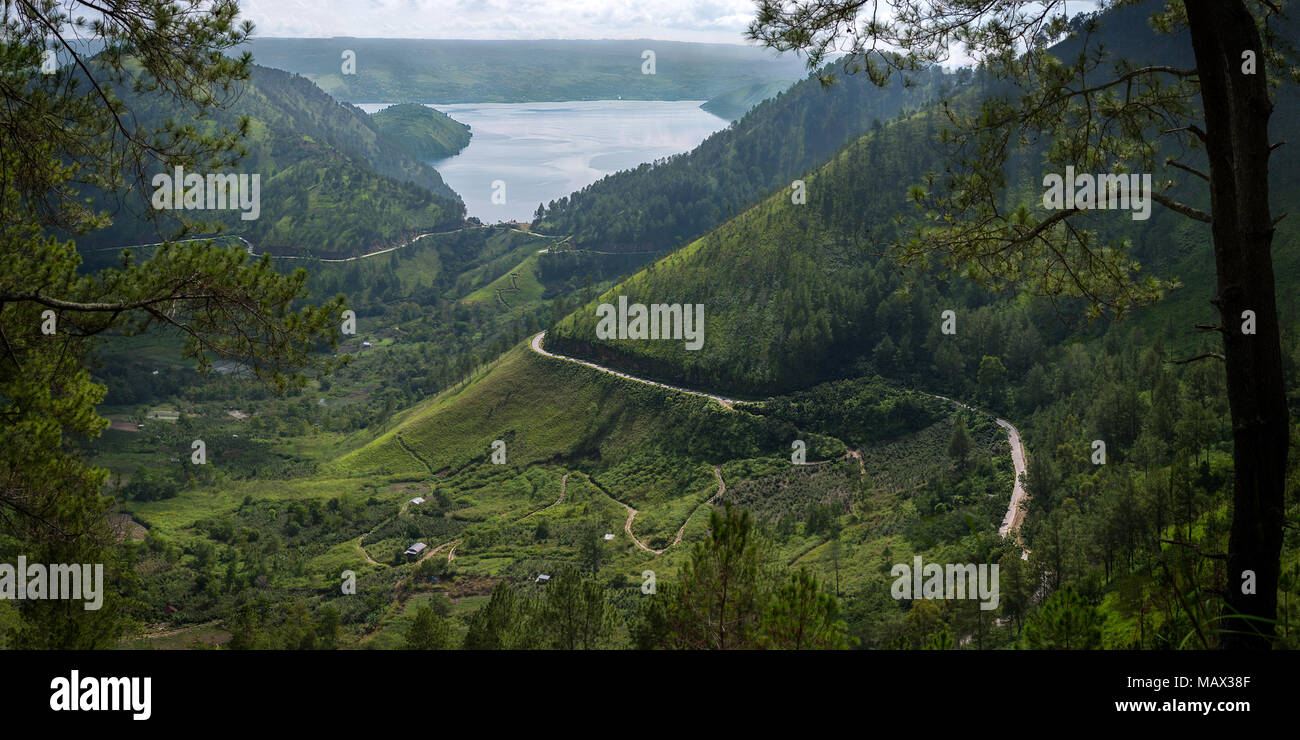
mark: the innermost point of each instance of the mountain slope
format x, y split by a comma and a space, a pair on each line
734, 104
426, 133
796, 294
330, 183
659, 205
390, 70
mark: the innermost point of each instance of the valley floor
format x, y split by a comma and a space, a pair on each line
1015, 510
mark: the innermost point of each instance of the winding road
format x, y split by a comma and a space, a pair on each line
631, 514
564, 481
1011, 522
1015, 510
726, 403
248, 246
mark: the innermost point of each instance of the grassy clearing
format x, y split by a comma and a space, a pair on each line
617, 442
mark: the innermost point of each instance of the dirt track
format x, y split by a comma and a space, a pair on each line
1015, 515
726, 403
1015, 510
563, 482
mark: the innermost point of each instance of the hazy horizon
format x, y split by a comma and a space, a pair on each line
700, 21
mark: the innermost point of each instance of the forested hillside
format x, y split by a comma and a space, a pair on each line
544, 488
734, 104
473, 71
425, 133
795, 294
662, 204
331, 184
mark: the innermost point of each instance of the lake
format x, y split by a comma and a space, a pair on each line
544, 151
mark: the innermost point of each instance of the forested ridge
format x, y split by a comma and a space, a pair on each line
796, 294
389, 70
734, 104
842, 354
663, 204
425, 133
331, 184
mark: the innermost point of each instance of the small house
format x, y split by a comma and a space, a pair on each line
543, 578
417, 500
609, 537
415, 550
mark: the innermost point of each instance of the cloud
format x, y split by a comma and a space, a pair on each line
719, 21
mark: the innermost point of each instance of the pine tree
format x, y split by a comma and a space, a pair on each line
55, 138
492, 626
576, 612
803, 617
428, 631
1066, 622
959, 447
717, 601
1104, 113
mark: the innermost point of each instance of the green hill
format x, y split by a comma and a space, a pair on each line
799, 293
836, 346
521, 71
424, 132
734, 104
332, 185
796, 295
661, 205
627, 457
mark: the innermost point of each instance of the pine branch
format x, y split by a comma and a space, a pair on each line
1195, 214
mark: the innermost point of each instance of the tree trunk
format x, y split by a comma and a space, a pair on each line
1237, 110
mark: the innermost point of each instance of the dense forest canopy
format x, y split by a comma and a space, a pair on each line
877, 384
332, 183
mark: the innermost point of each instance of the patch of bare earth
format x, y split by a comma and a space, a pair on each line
415, 489
125, 527
464, 586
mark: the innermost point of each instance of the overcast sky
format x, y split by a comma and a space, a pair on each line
720, 21
715, 21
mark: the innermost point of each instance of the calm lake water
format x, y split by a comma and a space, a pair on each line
544, 151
